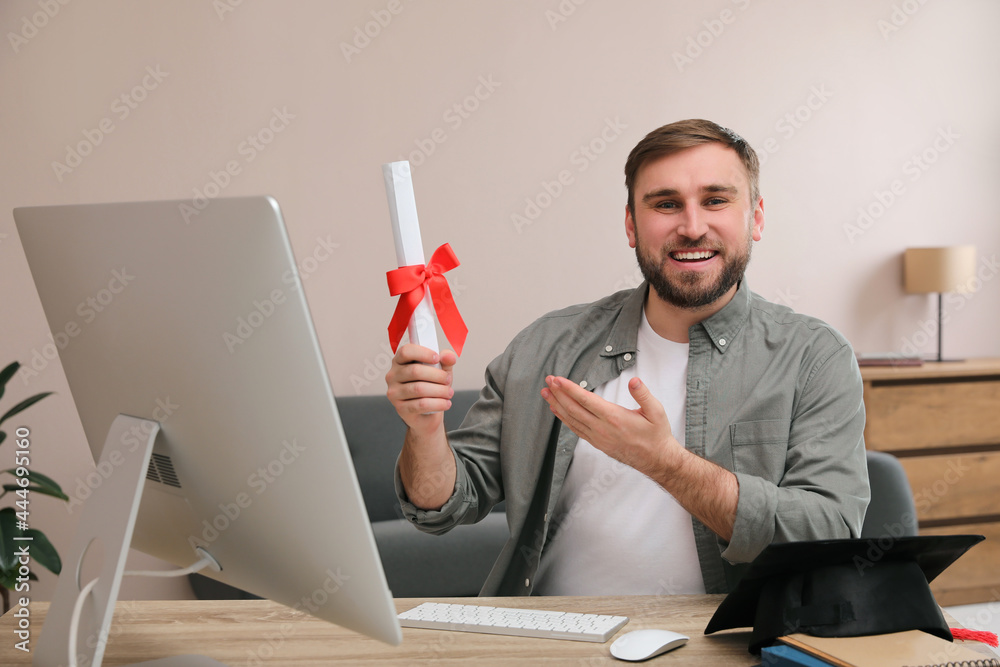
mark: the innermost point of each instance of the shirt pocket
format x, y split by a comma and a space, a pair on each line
760, 448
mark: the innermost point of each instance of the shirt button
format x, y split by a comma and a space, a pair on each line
722, 341
608, 348
527, 583
583, 383
628, 356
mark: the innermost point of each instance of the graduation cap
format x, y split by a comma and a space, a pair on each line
842, 588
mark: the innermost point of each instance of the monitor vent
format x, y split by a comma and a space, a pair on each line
161, 469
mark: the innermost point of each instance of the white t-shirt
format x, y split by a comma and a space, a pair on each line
616, 531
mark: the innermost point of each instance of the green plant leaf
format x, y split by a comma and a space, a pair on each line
8, 578
39, 547
24, 405
6, 374
8, 530
42, 551
11, 488
40, 483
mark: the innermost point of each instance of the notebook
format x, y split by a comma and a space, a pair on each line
898, 649
782, 655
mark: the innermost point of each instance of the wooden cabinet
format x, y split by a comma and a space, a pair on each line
942, 420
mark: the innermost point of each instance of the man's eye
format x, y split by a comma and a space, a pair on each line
666, 204
715, 201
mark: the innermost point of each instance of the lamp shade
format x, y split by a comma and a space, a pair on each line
950, 269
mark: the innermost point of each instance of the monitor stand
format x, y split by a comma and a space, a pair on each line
106, 524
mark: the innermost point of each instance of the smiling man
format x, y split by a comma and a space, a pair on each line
652, 441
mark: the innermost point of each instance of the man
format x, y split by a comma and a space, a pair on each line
649, 441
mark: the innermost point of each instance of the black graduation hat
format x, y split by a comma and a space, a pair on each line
842, 588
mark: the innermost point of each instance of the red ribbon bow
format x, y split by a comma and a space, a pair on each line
408, 282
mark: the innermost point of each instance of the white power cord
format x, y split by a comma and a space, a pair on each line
74, 623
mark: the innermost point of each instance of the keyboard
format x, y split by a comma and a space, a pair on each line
510, 621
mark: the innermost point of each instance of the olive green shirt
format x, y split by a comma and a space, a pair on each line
772, 395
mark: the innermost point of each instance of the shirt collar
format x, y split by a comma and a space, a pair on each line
624, 334
721, 327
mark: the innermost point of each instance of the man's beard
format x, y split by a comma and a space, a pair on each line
685, 291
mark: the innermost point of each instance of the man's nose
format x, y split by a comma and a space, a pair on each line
693, 224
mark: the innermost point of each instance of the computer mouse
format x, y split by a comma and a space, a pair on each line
645, 644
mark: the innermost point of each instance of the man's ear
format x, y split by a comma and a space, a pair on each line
630, 227
758, 220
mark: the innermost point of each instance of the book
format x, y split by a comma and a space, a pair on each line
912, 648
888, 359
784, 655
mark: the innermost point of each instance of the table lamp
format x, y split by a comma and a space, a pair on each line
939, 270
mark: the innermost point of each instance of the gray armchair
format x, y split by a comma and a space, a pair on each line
891, 511
416, 564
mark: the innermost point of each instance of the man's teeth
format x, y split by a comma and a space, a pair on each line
701, 254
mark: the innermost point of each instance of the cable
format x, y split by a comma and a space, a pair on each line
207, 561
74, 623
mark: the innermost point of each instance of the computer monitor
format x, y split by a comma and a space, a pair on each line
191, 317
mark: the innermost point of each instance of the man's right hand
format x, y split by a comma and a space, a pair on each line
421, 392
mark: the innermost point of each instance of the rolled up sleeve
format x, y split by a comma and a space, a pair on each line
824, 490
476, 448
448, 515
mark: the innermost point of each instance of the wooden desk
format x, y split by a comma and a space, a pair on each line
942, 420
260, 632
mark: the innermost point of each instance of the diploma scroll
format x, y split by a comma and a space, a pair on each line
409, 247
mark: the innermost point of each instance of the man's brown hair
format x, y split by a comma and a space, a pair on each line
675, 137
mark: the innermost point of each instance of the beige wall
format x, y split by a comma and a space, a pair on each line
889, 106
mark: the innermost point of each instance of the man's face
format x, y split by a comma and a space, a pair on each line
694, 224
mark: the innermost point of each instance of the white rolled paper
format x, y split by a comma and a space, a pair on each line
422, 329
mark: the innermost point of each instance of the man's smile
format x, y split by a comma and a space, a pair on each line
693, 255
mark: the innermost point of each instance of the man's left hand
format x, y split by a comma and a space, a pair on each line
641, 438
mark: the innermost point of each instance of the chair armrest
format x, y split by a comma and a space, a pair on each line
455, 564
